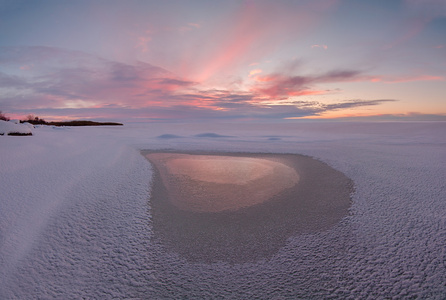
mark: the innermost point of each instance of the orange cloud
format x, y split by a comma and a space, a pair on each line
267, 78
255, 71
27, 67
306, 93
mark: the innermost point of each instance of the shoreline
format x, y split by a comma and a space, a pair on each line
319, 201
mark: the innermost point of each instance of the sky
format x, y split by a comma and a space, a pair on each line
232, 60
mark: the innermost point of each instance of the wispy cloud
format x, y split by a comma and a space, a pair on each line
235, 109
65, 75
143, 43
279, 85
12, 81
403, 79
385, 117
82, 85
418, 16
255, 71
195, 25
255, 30
355, 103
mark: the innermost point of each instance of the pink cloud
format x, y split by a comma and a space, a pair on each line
255, 30
143, 43
86, 86
325, 47
27, 67
81, 80
196, 25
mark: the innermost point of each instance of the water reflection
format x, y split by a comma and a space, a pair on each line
317, 202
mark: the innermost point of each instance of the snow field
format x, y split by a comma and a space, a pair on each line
75, 218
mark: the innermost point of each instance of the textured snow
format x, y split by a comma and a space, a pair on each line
75, 215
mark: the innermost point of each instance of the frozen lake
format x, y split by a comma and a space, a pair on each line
76, 218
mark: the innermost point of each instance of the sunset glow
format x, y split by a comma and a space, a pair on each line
225, 60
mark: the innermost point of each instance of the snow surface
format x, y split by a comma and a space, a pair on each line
75, 215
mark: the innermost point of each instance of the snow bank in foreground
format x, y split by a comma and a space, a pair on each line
11, 128
76, 221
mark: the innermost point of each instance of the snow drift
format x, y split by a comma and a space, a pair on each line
15, 128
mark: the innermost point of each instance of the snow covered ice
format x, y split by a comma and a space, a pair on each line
75, 214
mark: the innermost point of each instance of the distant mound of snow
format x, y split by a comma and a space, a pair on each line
12, 128
211, 135
169, 136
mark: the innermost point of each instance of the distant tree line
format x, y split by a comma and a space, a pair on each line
35, 120
82, 123
3, 117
